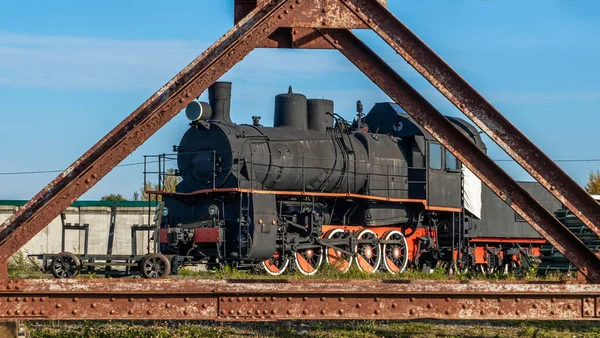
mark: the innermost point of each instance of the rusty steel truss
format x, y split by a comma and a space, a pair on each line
254, 300
321, 24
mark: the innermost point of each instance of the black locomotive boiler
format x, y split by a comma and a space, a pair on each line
379, 192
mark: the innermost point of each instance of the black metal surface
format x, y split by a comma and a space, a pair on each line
219, 97
499, 220
443, 182
319, 114
290, 111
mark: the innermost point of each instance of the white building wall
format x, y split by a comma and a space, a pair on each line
98, 217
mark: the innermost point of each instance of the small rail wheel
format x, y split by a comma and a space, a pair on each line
340, 260
368, 251
309, 260
276, 265
155, 265
65, 265
395, 252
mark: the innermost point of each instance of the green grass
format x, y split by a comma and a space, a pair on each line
338, 329
330, 272
20, 266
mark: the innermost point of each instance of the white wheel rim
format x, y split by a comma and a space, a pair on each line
404, 252
359, 257
336, 231
272, 273
319, 254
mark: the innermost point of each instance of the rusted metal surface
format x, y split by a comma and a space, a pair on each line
479, 110
194, 299
466, 151
300, 33
329, 10
305, 38
142, 123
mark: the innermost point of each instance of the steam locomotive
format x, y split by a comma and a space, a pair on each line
380, 193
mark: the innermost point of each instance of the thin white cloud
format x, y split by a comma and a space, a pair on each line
69, 62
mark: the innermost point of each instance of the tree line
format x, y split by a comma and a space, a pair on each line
170, 181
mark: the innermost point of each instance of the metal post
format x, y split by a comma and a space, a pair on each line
453, 236
111, 228
387, 170
86, 232
160, 174
214, 169
133, 242
62, 222
303, 176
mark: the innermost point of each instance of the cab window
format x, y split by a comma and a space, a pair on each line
451, 162
435, 156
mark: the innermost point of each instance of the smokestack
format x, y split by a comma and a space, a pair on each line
219, 97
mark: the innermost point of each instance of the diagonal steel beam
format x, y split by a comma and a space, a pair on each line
141, 124
466, 151
476, 108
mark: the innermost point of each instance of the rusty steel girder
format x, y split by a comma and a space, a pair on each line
241, 300
300, 16
478, 109
141, 124
466, 151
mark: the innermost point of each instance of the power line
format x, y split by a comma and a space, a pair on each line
60, 171
557, 161
148, 162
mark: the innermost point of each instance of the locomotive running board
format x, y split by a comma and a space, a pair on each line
294, 21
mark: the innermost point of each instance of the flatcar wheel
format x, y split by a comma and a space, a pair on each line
309, 260
396, 253
338, 259
368, 254
276, 265
155, 265
65, 265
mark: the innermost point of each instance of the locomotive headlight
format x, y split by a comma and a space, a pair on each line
213, 210
165, 211
198, 111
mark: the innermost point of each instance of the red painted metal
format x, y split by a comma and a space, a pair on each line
466, 151
207, 235
479, 110
163, 233
237, 300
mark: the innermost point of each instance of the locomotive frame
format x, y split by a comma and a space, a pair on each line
320, 225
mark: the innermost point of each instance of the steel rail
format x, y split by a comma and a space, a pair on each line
255, 300
466, 151
478, 109
141, 124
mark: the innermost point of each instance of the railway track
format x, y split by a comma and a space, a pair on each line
266, 300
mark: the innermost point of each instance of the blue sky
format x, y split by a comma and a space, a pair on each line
71, 70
